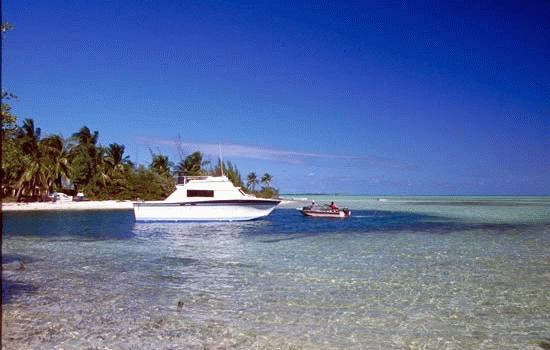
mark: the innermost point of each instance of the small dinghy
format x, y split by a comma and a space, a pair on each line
325, 212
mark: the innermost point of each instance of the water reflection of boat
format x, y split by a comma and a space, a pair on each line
325, 212
205, 198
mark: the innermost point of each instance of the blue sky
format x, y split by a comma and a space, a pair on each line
358, 97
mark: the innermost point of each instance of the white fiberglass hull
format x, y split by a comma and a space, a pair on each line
217, 210
346, 213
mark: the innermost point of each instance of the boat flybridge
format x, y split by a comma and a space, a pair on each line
205, 198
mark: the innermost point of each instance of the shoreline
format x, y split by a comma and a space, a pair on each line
88, 205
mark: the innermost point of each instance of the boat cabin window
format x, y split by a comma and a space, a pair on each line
200, 193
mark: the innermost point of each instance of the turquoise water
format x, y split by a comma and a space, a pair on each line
403, 272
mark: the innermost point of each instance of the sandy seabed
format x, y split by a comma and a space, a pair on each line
88, 205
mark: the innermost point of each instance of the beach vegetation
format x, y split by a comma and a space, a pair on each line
267, 192
34, 166
160, 164
6, 27
86, 159
145, 184
193, 165
252, 181
230, 170
266, 180
32, 175
8, 119
115, 158
56, 160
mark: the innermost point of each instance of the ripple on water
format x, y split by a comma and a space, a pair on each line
385, 279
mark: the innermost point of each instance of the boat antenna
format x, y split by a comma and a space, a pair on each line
179, 147
221, 159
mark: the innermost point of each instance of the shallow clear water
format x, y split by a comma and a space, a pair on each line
403, 272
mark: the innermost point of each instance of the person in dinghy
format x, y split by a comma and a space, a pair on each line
325, 211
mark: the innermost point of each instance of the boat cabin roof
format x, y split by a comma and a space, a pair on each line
214, 187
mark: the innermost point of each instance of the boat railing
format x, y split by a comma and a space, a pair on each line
183, 179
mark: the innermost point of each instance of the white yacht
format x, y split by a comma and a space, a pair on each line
205, 198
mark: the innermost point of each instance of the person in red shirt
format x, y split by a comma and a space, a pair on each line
333, 206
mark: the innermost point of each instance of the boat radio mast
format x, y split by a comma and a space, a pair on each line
221, 159
179, 147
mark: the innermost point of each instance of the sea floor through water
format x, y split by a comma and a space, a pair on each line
402, 272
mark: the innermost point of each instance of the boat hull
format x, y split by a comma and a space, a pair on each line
225, 210
325, 213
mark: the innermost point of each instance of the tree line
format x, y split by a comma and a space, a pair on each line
34, 166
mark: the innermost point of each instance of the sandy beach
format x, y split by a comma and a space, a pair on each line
89, 205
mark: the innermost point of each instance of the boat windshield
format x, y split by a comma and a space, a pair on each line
181, 179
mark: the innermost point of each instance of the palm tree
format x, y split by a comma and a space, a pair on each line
29, 136
160, 164
34, 172
56, 156
114, 157
33, 176
252, 181
266, 180
234, 175
86, 158
84, 136
193, 165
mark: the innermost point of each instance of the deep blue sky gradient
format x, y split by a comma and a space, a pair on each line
375, 98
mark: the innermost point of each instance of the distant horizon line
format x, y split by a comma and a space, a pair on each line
415, 195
